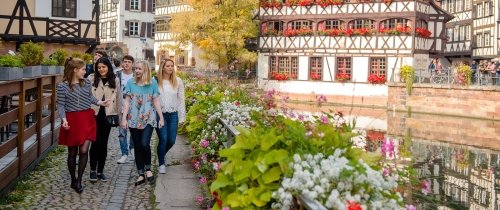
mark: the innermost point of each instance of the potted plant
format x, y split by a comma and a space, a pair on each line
407, 73
464, 75
376, 79
59, 56
10, 67
31, 56
343, 77
49, 66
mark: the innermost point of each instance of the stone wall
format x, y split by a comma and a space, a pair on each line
473, 101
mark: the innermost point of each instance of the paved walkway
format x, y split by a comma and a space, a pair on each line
174, 190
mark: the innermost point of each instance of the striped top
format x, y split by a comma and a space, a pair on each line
77, 100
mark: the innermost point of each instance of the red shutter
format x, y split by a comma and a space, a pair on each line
150, 6
150, 30
143, 29
143, 6
127, 4
127, 28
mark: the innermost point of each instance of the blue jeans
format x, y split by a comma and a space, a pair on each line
122, 136
166, 135
142, 148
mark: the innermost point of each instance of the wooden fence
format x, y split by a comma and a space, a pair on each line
28, 129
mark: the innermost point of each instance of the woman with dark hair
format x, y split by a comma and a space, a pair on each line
74, 97
106, 86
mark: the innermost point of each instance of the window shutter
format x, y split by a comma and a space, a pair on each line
127, 5
127, 27
150, 30
492, 8
143, 5
143, 29
150, 6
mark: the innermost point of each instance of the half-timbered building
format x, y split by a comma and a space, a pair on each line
485, 29
313, 46
459, 31
127, 27
70, 24
188, 56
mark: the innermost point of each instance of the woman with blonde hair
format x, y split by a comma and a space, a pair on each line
74, 97
173, 108
141, 102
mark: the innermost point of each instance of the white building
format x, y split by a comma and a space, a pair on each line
188, 56
126, 27
313, 46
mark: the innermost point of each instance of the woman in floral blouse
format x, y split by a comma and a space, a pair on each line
141, 106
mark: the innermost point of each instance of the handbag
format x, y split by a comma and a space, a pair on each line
113, 120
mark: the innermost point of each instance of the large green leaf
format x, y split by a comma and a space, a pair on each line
272, 175
221, 181
269, 139
276, 156
242, 170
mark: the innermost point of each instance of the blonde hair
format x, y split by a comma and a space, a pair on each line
69, 66
146, 75
171, 78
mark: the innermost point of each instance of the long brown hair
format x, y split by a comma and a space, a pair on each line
69, 70
146, 74
171, 78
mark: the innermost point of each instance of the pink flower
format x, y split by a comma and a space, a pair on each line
226, 208
386, 172
270, 93
237, 103
197, 165
411, 207
203, 143
216, 166
387, 147
426, 187
301, 117
324, 119
203, 180
199, 199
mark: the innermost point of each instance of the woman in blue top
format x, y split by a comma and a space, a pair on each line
141, 106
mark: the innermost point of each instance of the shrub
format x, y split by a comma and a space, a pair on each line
31, 53
59, 56
407, 74
10, 61
49, 62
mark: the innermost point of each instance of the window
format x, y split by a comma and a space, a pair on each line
455, 34
134, 28
153, 30
103, 30
487, 8
467, 4
181, 58
467, 32
393, 23
479, 40
451, 6
283, 65
479, 11
302, 24
344, 67
333, 24
112, 28
487, 39
114, 7
421, 24
458, 5
134, 4
316, 68
449, 34
162, 25
378, 66
462, 33
272, 27
104, 6
361, 23
444, 5
64, 8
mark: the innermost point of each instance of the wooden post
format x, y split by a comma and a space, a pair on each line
39, 97
20, 126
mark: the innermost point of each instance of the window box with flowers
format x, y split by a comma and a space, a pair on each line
376, 79
399, 30
423, 32
362, 32
326, 3
279, 76
298, 32
343, 77
271, 32
271, 3
299, 2
315, 76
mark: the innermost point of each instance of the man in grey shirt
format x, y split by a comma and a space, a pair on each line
125, 75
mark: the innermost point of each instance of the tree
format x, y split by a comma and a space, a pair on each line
219, 28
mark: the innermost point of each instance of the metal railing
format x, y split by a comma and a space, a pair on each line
306, 202
449, 76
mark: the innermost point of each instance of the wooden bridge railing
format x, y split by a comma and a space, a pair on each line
28, 127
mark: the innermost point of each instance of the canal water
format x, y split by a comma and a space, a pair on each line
459, 157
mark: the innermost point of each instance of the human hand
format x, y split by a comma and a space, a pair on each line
106, 103
123, 124
161, 123
65, 124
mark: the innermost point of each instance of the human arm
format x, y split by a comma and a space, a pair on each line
61, 102
126, 105
119, 97
157, 103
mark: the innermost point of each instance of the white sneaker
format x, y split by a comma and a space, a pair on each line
131, 153
122, 159
162, 169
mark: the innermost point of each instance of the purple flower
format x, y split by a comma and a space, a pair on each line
199, 199
426, 187
203, 180
203, 143
301, 117
411, 207
324, 119
226, 208
387, 147
386, 172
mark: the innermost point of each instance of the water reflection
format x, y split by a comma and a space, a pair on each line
460, 157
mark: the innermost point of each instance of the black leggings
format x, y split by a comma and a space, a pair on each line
99, 148
82, 151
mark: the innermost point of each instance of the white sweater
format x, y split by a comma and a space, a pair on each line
173, 100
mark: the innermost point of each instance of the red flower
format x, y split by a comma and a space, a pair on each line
352, 205
315, 76
342, 77
423, 32
237, 103
375, 79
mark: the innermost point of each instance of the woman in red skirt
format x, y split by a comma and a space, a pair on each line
74, 97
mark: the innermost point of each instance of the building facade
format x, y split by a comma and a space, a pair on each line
473, 33
127, 27
339, 49
69, 24
188, 56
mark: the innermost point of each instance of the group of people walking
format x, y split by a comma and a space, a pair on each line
94, 98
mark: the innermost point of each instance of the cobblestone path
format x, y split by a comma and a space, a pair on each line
52, 189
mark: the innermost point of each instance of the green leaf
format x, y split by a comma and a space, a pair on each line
243, 188
276, 156
233, 199
269, 139
266, 196
221, 181
242, 170
272, 175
